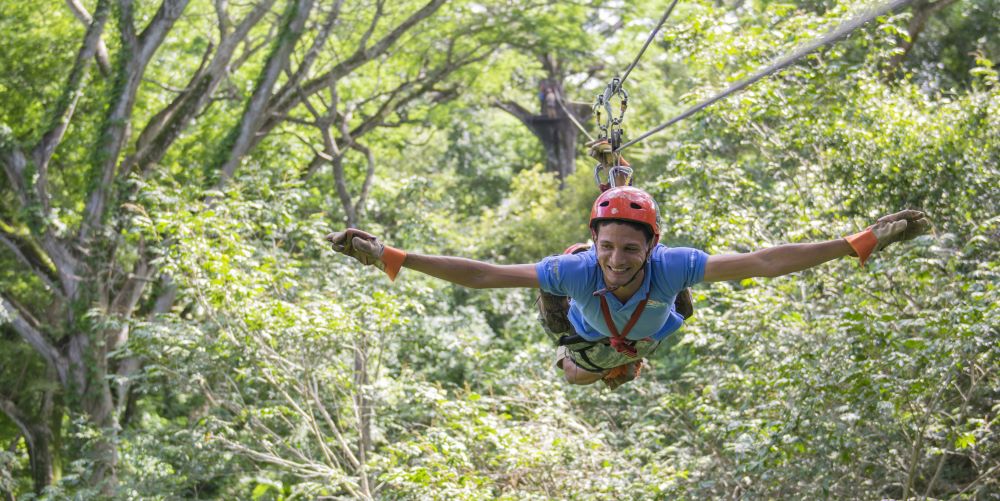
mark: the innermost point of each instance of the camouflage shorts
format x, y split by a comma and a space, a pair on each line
598, 357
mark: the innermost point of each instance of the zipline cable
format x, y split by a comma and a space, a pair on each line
833, 36
573, 119
649, 40
612, 128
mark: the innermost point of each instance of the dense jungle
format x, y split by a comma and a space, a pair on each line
174, 326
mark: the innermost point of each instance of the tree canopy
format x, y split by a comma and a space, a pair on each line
173, 326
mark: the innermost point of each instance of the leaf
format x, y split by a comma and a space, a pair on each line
965, 441
260, 491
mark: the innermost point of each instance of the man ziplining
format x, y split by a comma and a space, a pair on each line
623, 289
628, 292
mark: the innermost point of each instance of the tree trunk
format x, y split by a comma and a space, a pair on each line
42, 458
89, 283
553, 127
363, 410
922, 12
89, 394
98, 408
38, 438
565, 147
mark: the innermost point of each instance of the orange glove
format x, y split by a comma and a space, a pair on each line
368, 250
903, 225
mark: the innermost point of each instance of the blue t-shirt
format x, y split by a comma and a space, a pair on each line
668, 272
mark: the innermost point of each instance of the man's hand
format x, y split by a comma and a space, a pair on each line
358, 244
368, 250
605, 154
903, 225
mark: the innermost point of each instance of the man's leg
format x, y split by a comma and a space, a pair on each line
574, 373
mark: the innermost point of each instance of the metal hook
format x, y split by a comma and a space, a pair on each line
611, 128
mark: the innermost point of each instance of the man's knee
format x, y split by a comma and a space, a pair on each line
576, 375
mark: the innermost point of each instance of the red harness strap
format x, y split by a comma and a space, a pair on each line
618, 341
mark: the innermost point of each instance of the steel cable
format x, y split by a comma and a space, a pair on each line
649, 40
833, 36
569, 114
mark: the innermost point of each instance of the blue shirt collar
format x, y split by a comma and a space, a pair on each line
639, 294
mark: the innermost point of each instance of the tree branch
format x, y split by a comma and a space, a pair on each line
136, 54
374, 22
15, 164
222, 19
338, 174
250, 48
157, 123
515, 109
423, 86
345, 449
359, 204
20, 420
290, 99
103, 61
249, 125
10, 409
26, 326
66, 105
167, 126
314, 51
157, 29
29, 255
922, 12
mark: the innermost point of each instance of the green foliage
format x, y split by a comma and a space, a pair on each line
284, 370
940, 60
35, 58
537, 219
11, 477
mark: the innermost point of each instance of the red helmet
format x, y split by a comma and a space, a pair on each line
626, 203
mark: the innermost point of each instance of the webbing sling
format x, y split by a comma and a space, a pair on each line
618, 340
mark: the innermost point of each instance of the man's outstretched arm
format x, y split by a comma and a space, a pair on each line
472, 273
466, 272
774, 261
789, 258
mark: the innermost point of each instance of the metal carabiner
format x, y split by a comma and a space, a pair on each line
620, 172
611, 129
618, 175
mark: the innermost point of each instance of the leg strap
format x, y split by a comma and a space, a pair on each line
577, 347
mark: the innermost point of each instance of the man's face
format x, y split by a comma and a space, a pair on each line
621, 252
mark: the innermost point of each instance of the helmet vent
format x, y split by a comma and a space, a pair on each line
635, 206
605, 203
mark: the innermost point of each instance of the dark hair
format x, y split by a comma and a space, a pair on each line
645, 229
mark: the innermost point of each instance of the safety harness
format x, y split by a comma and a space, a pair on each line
618, 339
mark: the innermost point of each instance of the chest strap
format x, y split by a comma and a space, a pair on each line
618, 340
